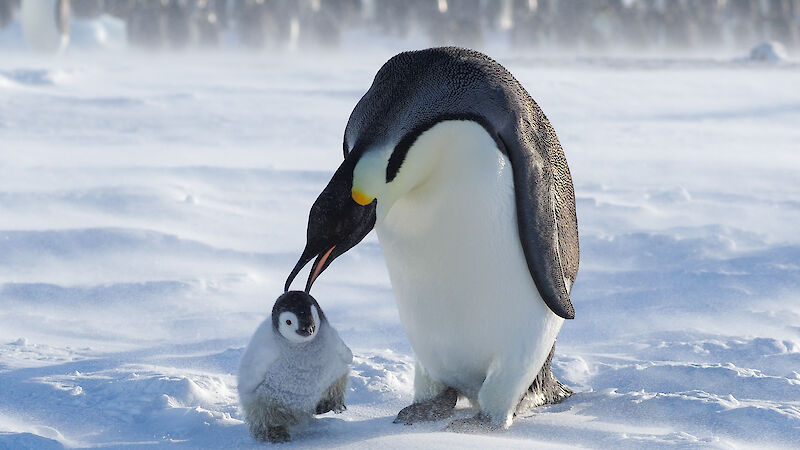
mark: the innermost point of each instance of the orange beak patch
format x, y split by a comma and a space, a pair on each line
361, 198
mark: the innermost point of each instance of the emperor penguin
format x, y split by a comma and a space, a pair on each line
45, 24
295, 366
464, 180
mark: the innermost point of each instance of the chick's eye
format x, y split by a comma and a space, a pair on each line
288, 322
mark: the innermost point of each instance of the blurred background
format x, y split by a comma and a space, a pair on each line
695, 27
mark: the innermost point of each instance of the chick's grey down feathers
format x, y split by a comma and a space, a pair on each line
415, 90
303, 372
305, 379
282, 383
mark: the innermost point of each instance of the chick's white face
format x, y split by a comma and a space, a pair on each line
299, 330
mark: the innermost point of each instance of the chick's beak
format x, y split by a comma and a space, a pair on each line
306, 331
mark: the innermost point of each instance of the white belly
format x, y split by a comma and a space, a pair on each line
39, 25
464, 293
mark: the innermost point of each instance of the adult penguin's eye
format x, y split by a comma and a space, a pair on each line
288, 322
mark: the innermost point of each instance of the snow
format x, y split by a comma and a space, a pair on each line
152, 206
770, 51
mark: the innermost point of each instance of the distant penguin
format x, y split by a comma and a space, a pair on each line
146, 25
208, 23
251, 18
45, 24
464, 179
7, 8
87, 9
178, 21
296, 365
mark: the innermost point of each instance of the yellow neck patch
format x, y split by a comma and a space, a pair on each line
361, 198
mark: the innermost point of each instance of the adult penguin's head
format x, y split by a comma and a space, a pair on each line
412, 93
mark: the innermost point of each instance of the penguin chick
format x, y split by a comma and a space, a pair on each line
295, 366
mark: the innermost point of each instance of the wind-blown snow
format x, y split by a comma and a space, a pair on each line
153, 205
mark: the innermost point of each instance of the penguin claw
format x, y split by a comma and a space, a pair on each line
438, 408
479, 423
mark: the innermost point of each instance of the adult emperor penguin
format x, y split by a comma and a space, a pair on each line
461, 174
45, 24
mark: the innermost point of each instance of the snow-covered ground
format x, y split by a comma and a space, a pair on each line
151, 207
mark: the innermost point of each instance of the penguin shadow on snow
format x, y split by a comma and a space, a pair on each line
527, 425
341, 430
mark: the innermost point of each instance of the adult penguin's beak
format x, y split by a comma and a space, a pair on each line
336, 223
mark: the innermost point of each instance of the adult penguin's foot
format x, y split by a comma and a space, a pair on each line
437, 408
